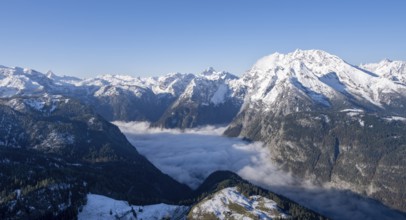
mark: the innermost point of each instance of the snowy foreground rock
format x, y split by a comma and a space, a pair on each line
229, 203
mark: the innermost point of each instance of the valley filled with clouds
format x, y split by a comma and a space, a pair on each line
191, 155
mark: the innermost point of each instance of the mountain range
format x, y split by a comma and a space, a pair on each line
321, 118
173, 100
319, 78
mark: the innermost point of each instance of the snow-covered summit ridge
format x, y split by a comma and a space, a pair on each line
211, 74
209, 71
319, 76
393, 70
18, 81
307, 56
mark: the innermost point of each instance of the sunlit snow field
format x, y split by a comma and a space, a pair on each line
102, 207
190, 156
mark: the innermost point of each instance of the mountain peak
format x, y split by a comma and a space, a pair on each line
300, 53
209, 71
392, 70
50, 74
298, 57
211, 74
18, 70
386, 60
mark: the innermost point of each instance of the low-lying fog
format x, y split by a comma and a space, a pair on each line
190, 156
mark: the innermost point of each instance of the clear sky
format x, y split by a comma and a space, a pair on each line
149, 37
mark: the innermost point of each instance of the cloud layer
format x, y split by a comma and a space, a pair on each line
190, 156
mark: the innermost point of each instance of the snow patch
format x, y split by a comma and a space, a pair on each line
352, 110
395, 118
102, 207
360, 168
219, 95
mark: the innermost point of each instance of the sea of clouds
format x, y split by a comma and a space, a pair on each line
189, 156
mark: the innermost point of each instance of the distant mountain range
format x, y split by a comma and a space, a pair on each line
173, 100
181, 100
321, 118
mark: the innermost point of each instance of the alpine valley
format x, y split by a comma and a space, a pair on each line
320, 118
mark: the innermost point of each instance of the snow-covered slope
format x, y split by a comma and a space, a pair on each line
102, 207
18, 81
393, 70
229, 203
172, 83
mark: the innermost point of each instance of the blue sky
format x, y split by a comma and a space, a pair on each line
150, 37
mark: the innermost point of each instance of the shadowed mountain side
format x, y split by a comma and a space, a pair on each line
89, 151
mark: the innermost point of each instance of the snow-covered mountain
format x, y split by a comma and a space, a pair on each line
392, 70
303, 80
107, 85
313, 80
119, 97
18, 81
210, 98
210, 87
327, 120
